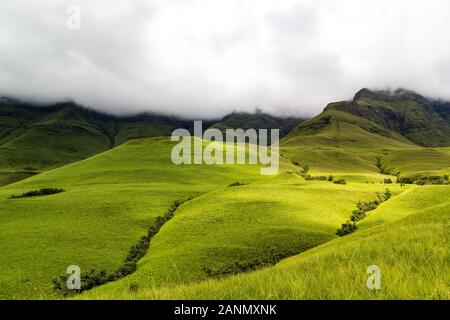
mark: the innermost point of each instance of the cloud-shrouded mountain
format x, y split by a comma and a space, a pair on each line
35, 137
391, 118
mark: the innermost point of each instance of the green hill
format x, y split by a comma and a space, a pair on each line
36, 138
410, 248
111, 200
377, 132
399, 115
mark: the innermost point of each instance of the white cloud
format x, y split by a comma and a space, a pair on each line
208, 57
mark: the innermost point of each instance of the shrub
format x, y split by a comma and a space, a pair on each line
319, 178
367, 206
330, 178
340, 181
387, 181
347, 228
387, 194
236, 184
405, 180
89, 280
304, 172
360, 213
432, 180
40, 192
133, 287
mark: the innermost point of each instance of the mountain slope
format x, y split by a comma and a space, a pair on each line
36, 138
404, 112
401, 115
378, 132
257, 120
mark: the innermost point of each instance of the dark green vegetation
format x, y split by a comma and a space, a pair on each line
423, 180
422, 121
363, 208
236, 184
257, 120
243, 235
40, 192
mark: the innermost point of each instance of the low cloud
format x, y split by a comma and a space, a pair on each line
204, 58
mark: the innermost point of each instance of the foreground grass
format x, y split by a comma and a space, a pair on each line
260, 224
411, 251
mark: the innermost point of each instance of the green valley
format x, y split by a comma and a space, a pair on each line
237, 234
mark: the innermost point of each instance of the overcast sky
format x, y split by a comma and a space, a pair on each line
203, 58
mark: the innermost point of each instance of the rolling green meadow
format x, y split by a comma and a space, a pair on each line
237, 234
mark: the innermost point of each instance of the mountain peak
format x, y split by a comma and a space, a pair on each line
388, 95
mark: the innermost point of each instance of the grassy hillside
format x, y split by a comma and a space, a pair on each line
416, 162
339, 143
214, 235
338, 129
376, 133
110, 201
411, 250
36, 138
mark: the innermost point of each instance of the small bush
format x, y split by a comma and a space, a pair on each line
347, 228
330, 178
405, 180
133, 287
40, 192
340, 181
236, 184
387, 181
305, 172
421, 181
318, 178
360, 213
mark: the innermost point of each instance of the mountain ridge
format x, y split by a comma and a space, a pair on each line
35, 138
400, 115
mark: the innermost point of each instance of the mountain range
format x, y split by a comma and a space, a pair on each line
35, 138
